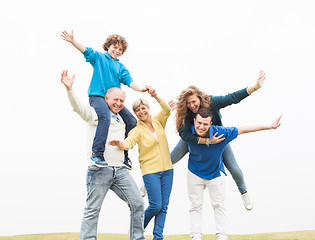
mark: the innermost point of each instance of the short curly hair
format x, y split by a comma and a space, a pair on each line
115, 39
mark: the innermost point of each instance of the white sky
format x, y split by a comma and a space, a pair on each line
220, 46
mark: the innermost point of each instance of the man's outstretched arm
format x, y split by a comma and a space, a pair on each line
248, 129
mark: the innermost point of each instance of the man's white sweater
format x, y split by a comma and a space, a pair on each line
113, 155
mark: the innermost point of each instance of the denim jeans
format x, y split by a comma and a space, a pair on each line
229, 161
101, 108
103, 115
179, 151
118, 179
159, 186
231, 164
129, 120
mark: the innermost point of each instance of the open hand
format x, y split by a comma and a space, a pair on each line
172, 105
67, 37
113, 143
276, 123
215, 139
66, 80
260, 81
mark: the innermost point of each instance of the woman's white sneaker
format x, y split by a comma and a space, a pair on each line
246, 201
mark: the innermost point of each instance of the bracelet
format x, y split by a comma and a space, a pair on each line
208, 142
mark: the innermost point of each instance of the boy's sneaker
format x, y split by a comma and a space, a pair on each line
98, 160
127, 163
143, 190
246, 201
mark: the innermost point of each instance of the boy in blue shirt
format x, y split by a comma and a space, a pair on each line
108, 72
205, 165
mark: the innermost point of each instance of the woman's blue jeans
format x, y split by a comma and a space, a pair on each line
159, 186
229, 161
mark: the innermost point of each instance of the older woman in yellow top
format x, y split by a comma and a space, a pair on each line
154, 158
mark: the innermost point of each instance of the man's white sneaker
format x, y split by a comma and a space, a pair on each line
246, 201
221, 236
143, 190
198, 237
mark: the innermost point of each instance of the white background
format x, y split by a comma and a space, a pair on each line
219, 46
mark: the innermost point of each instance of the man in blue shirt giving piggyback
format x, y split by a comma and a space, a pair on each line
205, 168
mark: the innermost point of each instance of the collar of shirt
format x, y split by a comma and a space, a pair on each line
116, 116
110, 57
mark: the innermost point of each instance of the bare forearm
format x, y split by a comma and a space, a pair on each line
248, 129
136, 87
120, 144
252, 89
78, 46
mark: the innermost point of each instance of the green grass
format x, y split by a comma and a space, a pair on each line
301, 235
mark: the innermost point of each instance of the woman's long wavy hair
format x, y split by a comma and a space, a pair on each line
181, 106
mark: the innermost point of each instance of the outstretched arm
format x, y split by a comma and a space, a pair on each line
136, 87
218, 102
70, 38
248, 129
259, 83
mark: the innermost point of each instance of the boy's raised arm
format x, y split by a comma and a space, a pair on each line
70, 38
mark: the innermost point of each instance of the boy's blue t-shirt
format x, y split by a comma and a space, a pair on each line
207, 162
107, 72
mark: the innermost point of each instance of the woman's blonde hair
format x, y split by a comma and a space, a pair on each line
136, 103
181, 105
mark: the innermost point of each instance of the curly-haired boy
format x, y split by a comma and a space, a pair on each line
108, 72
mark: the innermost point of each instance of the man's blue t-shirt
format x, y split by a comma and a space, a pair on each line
207, 162
107, 72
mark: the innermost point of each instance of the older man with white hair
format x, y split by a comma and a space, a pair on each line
115, 177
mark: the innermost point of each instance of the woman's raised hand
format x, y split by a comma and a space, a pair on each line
260, 81
151, 91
